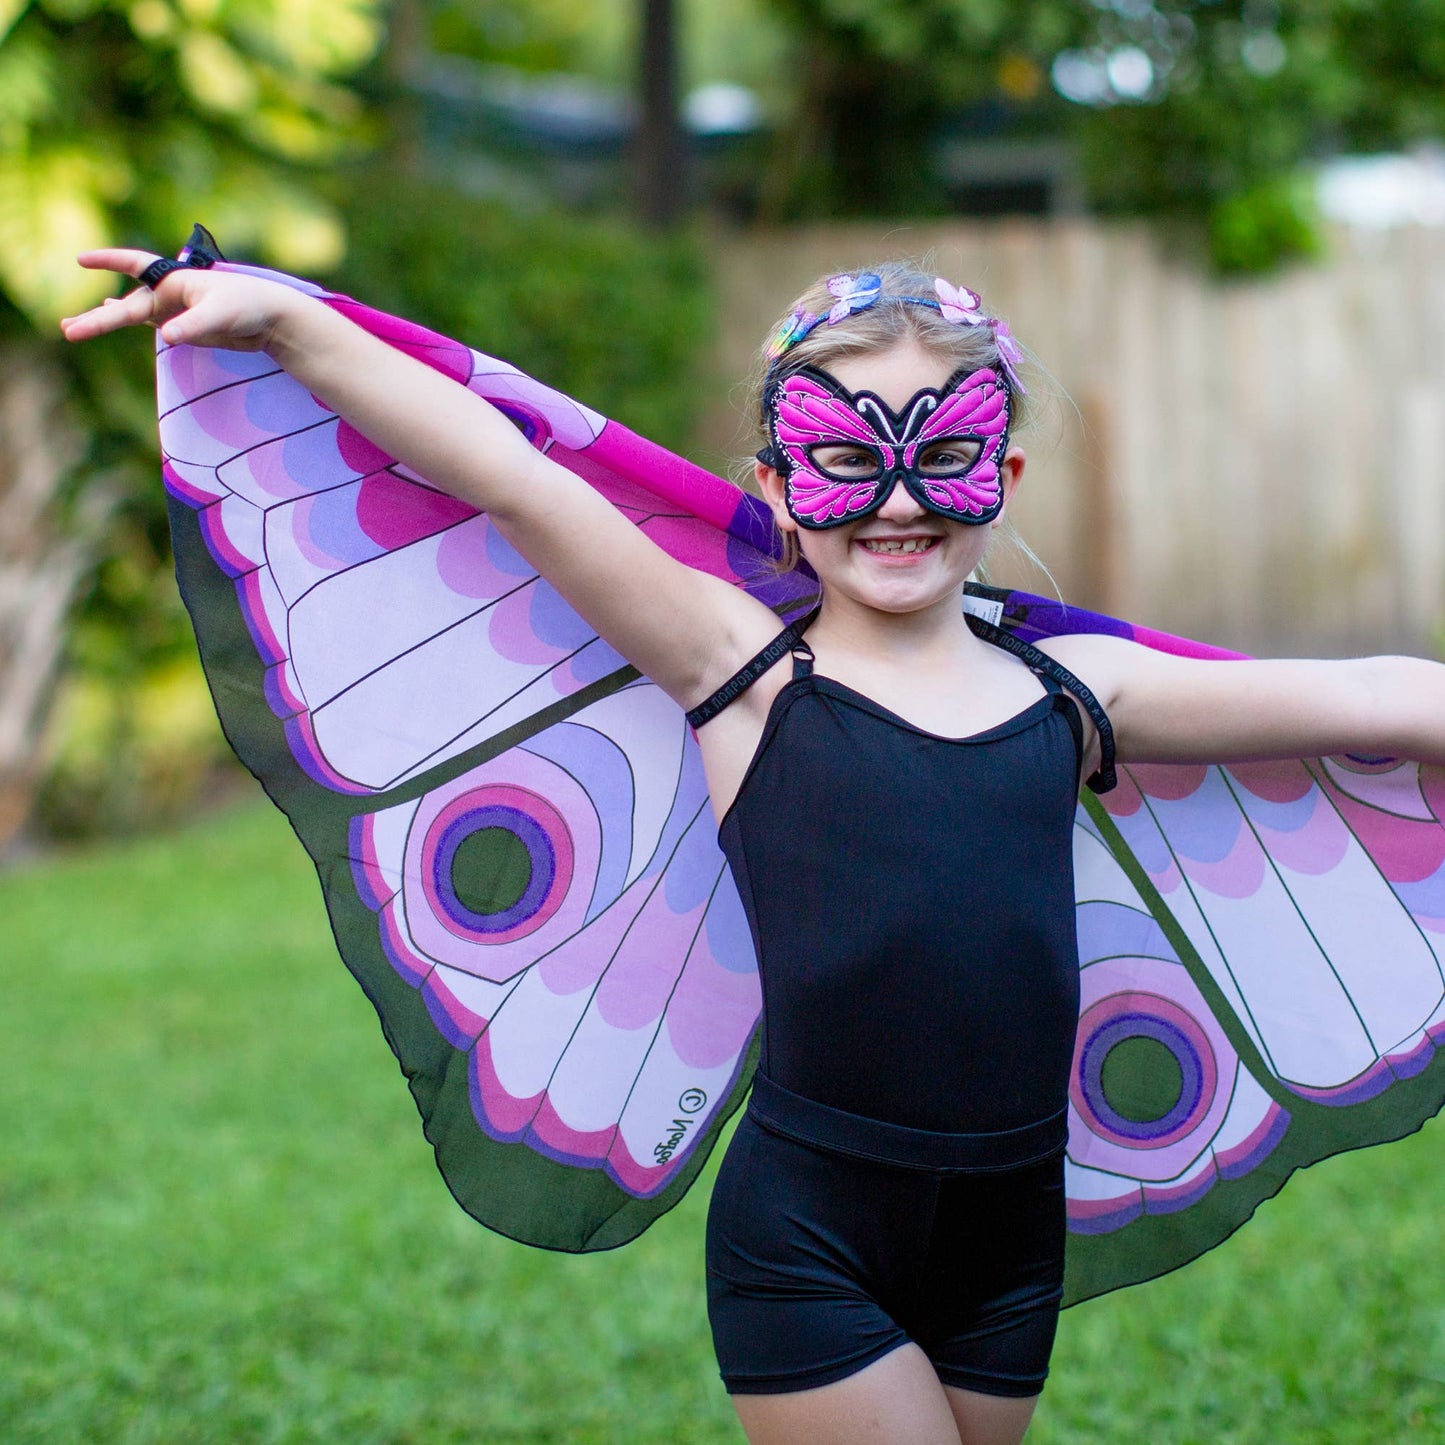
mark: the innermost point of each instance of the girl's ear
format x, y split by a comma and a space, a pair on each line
771, 485
1011, 473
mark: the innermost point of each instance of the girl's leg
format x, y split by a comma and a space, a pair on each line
897, 1400
989, 1419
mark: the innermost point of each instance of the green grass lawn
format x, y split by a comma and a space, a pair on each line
219, 1222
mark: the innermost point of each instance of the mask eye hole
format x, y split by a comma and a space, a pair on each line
948, 457
846, 461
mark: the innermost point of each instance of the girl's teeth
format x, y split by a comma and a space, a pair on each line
908, 544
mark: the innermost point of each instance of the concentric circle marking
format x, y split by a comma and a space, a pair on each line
1145, 1074
496, 863
1142, 1079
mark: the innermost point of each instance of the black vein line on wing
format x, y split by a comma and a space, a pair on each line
662, 1016
223, 387
1188, 882
660, 881
1328, 787
1257, 1035
424, 761
331, 419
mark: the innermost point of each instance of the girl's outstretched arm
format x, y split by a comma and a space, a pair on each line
1175, 709
681, 627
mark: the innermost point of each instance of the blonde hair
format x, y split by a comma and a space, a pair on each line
893, 318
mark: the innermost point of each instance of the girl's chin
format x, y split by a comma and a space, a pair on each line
897, 588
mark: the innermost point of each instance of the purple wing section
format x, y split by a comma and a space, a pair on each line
370, 596
1212, 1119
562, 908
606, 997
1311, 895
1311, 891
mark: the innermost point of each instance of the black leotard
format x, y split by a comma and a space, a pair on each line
899, 1175
911, 901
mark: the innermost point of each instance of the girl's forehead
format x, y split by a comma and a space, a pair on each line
895, 375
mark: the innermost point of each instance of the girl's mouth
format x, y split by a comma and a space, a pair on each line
897, 546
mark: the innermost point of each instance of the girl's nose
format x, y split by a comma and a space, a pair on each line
899, 505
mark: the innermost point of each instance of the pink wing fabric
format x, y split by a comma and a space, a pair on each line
512, 828
1262, 950
604, 1018
370, 595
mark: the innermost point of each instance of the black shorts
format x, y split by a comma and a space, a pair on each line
819, 1264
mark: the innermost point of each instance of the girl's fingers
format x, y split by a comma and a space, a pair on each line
111, 315
120, 259
191, 307
134, 309
216, 321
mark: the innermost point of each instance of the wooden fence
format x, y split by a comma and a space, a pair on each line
1260, 464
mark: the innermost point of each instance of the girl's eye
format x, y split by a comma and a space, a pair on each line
848, 461
948, 458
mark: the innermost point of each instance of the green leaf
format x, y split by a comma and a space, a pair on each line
51, 206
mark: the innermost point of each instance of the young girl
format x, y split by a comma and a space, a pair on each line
896, 796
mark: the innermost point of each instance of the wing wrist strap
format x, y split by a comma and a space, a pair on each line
1105, 777
201, 253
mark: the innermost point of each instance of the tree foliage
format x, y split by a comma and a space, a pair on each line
608, 313
1195, 108
121, 120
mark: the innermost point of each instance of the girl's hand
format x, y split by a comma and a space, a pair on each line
190, 306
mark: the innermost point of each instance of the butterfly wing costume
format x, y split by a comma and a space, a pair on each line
514, 840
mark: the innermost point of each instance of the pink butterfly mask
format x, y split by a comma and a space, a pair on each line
841, 452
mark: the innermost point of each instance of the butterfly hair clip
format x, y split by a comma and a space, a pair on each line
958, 304
853, 293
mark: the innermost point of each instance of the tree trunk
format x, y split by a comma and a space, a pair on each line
857, 143
661, 154
41, 563
403, 64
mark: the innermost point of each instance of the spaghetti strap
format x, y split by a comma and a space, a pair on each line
790, 639
1106, 777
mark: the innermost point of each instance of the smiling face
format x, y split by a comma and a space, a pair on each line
900, 556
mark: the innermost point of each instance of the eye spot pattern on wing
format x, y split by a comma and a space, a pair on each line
496, 863
388, 621
571, 925
1160, 1104
549, 820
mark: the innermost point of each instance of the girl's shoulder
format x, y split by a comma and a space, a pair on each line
1103, 663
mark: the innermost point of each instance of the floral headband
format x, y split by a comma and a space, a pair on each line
956, 304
